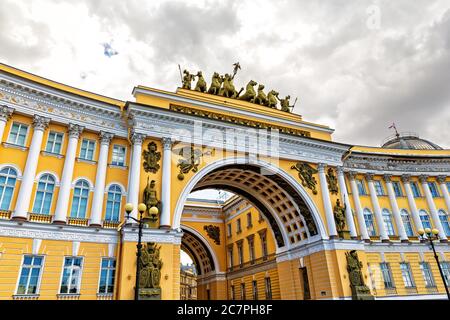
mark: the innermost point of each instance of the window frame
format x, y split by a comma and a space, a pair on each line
70, 277
445, 266
445, 224
367, 212
108, 270
389, 225
124, 155
243, 296
87, 149
398, 191
430, 273
387, 272
405, 213
423, 213
409, 273
249, 219
41, 271
115, 192
415, 189
73, 198
26, 134
379, 189
8, 177
268, 288
433, 189
255, 289
45, 192
360, 185
53, 146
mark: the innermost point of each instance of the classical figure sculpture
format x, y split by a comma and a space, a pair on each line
187, 79
250, 93
305, 173
189, 162
150, 195
201, 83
354, 267
332, 181
151, 158
339, 216
272, 99
213, 232
284, 103
216, 83
261, 98
150, 272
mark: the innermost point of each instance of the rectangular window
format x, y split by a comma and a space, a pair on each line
118, 155
107, 275
268, 288
229, 230
378, 187
427, 275
445, 266
242, 291
397, 188
387, 275
249, 220
54, 142
261, 218
241, 254
361, 187
230, 256
70, 282
433, 189
251, 249
263, 244
233, 293
407, 275
87, 149
30, 275
238, 226
415, 190
255, 290
18, 134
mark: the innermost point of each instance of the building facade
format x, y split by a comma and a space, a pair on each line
71, 159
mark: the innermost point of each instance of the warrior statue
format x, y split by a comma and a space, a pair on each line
285, 104
187, 79
201, 83
261, 98
228, 87
339, 216
354, 267
150, 195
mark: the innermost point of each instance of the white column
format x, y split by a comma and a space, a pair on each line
29, 173
62, 203
346, 201
5, 114
444, 191
359, 211
432, 206
412, 202
166, 183
99, 190
395, 209
376, 208
135, 172
327, 202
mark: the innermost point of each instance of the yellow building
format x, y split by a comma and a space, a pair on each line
71, 159
188, 282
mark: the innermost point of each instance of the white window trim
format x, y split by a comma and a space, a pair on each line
79, 279
53, 193
62, 142
100, 276
90, 189
14, 189
121, 200
93, 153
26, 135
38, 287
124, 155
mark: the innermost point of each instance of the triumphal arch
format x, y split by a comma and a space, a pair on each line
310, 218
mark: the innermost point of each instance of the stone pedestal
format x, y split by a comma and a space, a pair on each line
361, 293
344, 234
150, 294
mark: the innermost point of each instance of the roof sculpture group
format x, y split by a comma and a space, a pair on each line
222, 85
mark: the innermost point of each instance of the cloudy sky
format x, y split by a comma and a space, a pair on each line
356, 66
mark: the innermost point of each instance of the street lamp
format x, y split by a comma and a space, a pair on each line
430, 236
141, 221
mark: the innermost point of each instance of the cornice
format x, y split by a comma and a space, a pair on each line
130, 234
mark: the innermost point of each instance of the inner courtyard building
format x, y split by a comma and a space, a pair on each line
304, 217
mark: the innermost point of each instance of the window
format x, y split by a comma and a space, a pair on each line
361, 187
378, 187
249, 220
368, 219
233, 293
229, 230
230, 256
30, 275
397, 189
80, 199
261, 218
113, 203
415, 190
262, 235
427, 275
107, 275
18, 134
448, 185
242, 291
8, 177
268, 287
54, 142
251, 248
425, 218
44, 194
238, 226
87, 149
445, 266
255, 290
387, 275
71, 277
443, 217
118, 156
407, 223
433, 189
387, 221
407, 275
240, 253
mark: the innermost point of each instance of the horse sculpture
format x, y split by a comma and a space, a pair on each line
272, 99
228, 88
261, 98
250, 93
201, 83
216, 83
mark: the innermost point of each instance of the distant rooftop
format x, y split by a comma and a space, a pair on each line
410, 141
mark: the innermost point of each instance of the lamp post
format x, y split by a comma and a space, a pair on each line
430, 236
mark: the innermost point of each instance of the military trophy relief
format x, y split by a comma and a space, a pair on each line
190, 159
305, 173
213, 232
340, 220
151, 158
222, 85
354, 267
150, 272
332, 182
150, 199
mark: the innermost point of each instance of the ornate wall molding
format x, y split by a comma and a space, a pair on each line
152, 235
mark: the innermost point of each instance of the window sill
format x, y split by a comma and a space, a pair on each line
51, 154
14, 146
110, 224
68, 296
86, 161
25, 297
104, 296
115, 166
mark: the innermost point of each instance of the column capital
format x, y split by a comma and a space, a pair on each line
75, 130
406, 178
369, 177
5, 112
387, 177
340, 170
321, 167
166, 143
440, 179
352, 175
40, 123
423, 178
137, 138
105, 137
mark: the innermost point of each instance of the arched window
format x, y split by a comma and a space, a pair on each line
387, 221
113, 203
407, 223
8, 177
80, 199
44, 194
444, 221
368, 218
425, 218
